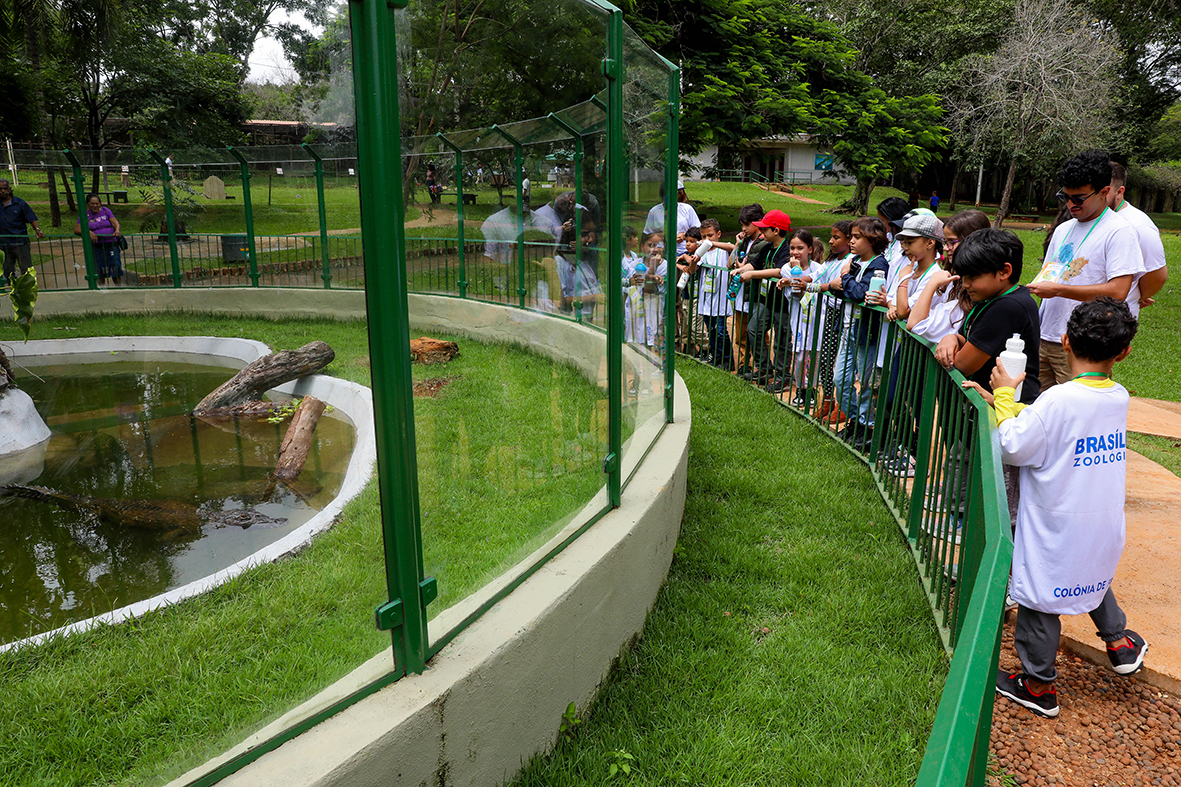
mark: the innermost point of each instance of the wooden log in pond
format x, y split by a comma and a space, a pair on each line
294, 450
266, 373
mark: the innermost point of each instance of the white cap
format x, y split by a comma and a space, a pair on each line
680, 185
1015, 344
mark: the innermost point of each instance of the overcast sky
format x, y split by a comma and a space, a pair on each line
267, 63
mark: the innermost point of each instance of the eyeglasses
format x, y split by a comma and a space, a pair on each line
950, 244
1077, 199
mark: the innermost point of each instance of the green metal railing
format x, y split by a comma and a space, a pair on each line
741, 176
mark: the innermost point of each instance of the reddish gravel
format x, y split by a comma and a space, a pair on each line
1111, 730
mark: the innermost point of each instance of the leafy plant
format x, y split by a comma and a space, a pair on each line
22, 291
620, 763
283, 413
570, 722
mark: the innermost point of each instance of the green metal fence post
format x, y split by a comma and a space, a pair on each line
672, 165
459, 210
326, 275
252, 251
379, 158
83, 221
613, 70
169, 217
520, 164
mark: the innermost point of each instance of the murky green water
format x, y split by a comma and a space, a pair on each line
121, 432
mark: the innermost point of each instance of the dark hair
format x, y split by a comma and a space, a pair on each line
844, 226
893, 208
711, 223
630, 232
966, 222
818, 250
751, 213
1101, 329
1089, 168
874, 230
1119, 174
803, 235
987, 251
694, 233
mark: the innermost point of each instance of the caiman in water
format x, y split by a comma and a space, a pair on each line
169, 516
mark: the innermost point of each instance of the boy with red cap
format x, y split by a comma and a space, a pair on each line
769, 305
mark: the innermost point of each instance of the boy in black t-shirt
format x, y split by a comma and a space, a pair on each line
988, 263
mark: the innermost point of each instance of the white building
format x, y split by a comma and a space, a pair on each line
796, 159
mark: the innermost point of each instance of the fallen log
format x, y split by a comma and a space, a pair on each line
428, 350
266, 373
293, 452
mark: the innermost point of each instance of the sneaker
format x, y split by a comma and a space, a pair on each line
900, 466
1127, 654
778, 386
1013, 685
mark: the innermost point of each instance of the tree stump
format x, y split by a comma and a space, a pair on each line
294, 450
264, 374
427, 350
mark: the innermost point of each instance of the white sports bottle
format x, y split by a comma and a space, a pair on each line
1013, 360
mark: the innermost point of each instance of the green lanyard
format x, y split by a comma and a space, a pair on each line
766, 283
1092, 229
1088, 374
973, 316
934, 264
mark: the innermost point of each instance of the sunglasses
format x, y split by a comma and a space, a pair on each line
1077, 199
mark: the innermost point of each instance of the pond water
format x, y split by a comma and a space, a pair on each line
121, 432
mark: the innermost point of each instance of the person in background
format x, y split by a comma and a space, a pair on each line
713, 283
1096, 253
749, 246
104, 239
686, 216
1155, 274
15, 216
934, 201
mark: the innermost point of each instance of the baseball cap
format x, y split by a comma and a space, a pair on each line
921, 225
680, 185
776, 219
916, 212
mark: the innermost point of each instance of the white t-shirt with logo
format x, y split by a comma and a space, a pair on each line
713, 283
1102, 249
686, 218
1071, 447
1151, 247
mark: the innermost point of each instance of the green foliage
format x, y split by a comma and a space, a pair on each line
22, 291
284, 412
619, 763
570, 722
1166, 140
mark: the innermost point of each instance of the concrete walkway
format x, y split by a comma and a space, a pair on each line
1148, 581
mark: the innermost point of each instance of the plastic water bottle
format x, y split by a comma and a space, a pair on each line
641, 268
796, 272
1013, 360
877, 282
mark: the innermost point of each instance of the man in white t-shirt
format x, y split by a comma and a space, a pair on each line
1155, 273
686, 217
1095, 253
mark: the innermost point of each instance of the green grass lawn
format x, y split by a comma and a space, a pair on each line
511, 447
792, 643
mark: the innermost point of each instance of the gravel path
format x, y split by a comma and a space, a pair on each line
1111, 730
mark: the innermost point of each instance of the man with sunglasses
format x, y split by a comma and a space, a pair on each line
1096, 253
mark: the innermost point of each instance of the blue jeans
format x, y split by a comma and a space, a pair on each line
856, 362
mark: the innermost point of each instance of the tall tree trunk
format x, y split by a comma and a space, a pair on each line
955, 184
1006, 195
55, 208
69, 191
859, 202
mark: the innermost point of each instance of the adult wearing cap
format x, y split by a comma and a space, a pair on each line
768, 304
686, 217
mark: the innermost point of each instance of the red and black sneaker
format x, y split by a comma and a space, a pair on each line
1127, 654
1014, 686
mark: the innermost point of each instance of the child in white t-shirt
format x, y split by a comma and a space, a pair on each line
633, 289
1070, 445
